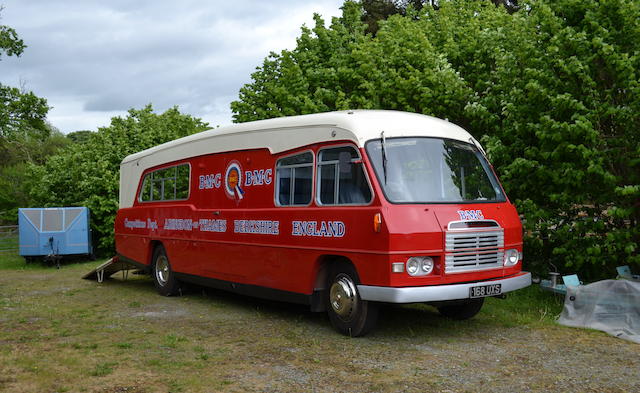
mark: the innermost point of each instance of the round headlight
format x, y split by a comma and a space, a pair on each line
427, 265
511, 257
413, 266
419, 266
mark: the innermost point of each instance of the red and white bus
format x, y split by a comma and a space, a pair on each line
340, 211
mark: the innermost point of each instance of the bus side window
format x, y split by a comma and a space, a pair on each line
294, 179
145, 191
182, 181
167, 184
341, 178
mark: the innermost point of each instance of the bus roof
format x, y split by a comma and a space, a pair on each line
286, 133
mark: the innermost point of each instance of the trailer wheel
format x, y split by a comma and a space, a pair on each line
462, 310
349, 314
163, 277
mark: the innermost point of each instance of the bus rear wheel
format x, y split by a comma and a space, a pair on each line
348, 313
164, 278
462, 310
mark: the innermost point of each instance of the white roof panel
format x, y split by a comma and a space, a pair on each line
285, 133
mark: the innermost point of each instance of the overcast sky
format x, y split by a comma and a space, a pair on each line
93, 59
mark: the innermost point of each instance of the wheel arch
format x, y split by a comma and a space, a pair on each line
153, 244
324, 264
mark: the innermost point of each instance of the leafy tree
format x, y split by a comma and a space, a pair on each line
552, 89
87, 174
315, 77
340, 67
82, 136
374, 11
510, 5
22, 116
565, 116
25, 136
10, 43
15, 178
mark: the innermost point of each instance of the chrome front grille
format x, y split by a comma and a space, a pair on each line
473, 250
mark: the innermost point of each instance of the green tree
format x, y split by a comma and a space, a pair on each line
552, 89
565, 120
373, 11
317, 76
10, 43
20, 112
14, 173
25, 135
87, 174
80, 136
22, 117
340, 67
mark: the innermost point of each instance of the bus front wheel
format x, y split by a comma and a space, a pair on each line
164, 278
349, 314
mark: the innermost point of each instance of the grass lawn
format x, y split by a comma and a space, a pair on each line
59, 333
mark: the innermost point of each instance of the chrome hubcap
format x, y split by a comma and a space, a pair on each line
162, 270
343, 297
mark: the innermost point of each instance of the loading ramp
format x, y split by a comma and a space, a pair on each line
111, 267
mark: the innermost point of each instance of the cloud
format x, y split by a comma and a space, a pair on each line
93, 59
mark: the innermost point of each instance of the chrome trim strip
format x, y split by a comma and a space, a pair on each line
436, 293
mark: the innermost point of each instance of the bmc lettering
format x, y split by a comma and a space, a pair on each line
258, 177
210, 181
318, 229
466, 215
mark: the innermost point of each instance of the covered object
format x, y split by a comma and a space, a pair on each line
54, 231
612, 306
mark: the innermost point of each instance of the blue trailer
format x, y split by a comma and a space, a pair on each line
54, 232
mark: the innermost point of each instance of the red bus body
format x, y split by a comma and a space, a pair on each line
231, 233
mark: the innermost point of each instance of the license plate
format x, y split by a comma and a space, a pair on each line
485, 290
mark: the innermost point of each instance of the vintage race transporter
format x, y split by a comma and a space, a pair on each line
339, 211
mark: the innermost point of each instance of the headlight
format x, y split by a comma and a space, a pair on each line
419, 266
413, 266
511, 257
427, 265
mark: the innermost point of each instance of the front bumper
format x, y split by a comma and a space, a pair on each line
435, 293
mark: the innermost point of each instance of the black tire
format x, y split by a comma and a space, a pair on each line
164, 278
461, 310
348, 314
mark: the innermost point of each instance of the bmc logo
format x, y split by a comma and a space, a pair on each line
258, 177
466, 215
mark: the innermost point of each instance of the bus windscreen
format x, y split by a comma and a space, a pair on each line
433, 170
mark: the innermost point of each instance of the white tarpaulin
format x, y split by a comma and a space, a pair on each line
612, 306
